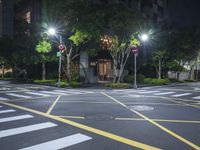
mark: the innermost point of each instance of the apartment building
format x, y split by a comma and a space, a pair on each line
6, 18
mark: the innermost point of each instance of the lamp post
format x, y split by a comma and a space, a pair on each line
52, 32
143, 37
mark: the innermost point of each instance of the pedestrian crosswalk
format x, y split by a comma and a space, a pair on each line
39, 93
13, 118
175, 94
60, 143
10, 131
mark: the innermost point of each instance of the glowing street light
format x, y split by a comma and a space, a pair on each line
52, 31
144, 38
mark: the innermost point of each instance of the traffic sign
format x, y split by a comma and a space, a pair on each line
58, 54
61, 47
134, 49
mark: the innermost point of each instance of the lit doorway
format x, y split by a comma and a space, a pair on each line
104, 69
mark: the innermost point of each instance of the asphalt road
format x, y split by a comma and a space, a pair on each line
45, 118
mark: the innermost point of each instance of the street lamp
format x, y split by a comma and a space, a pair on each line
52, 31
144, 38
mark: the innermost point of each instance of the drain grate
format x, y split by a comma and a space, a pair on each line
99, 117
141, 108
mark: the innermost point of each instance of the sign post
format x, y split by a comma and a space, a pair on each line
134, 49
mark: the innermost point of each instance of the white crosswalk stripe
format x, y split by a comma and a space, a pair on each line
68, 92
14, 118
197, 97
51, 92
3, 99
179, 95
164, 93
147, 92
39, 94
19, 95
7, 111
26, 129
60, 143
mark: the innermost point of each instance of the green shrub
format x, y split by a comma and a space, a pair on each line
140, 78
75, 84
128, 79
156, 81
63, 84
117, 85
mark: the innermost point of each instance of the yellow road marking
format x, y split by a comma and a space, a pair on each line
72, 117
160, 120
156, 124
53, 105
87, 128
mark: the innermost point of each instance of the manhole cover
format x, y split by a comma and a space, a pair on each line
99, 117
141, 108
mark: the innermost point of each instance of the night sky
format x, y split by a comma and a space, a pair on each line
184, 12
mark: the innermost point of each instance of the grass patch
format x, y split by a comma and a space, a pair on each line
44, 81
117, 85
174, 80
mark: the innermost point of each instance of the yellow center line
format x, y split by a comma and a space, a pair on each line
158, 125
115, 137
53, 105
159, 120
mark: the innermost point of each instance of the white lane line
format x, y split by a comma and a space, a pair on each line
13, 118
39, 94
3, 99
60, 143
25, 129
164, 93
147, 92
19, 95
179, 95
51, 92
7, 111
197, 97
1, 106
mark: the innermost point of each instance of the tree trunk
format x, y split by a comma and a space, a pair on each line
43, 71
120, 73
159, 69
178, 75
115, 72
68, 68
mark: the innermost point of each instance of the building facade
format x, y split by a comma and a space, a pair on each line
6, 18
